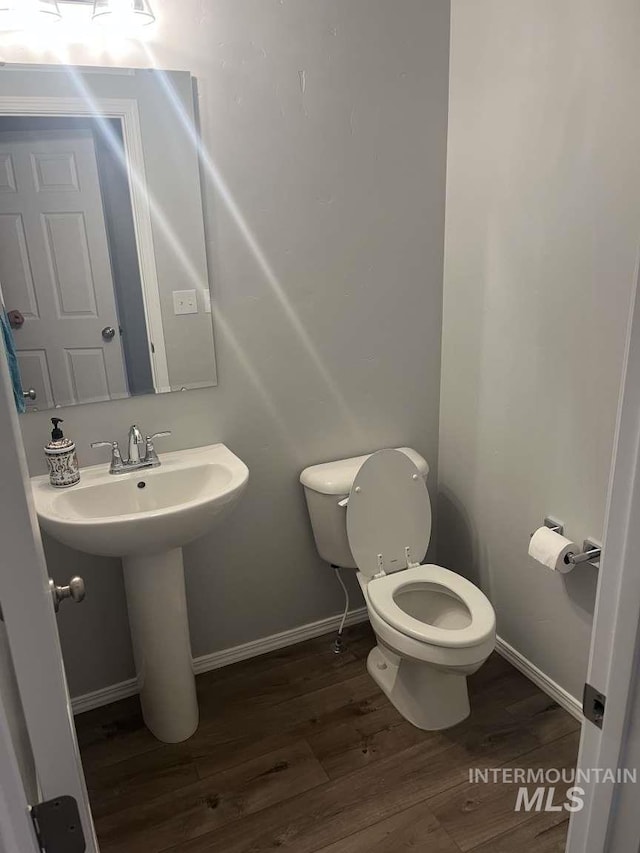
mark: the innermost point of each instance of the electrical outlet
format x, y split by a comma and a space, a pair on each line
185, 302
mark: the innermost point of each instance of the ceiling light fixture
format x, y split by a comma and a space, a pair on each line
123, 14
24, 14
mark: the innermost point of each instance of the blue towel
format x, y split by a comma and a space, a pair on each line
14, 369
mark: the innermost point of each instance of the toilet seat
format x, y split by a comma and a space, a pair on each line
383, 592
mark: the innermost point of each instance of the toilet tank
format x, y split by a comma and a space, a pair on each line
325, 486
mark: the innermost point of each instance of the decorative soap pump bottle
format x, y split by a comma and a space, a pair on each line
61, 457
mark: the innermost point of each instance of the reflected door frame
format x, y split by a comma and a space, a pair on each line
126, 111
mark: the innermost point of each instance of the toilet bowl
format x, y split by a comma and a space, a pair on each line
433, 627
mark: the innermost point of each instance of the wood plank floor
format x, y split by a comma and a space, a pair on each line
299, 751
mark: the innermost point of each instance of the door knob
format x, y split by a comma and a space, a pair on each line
30, 394
108, 333
74, 590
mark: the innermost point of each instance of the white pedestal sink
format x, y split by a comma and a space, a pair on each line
145, 517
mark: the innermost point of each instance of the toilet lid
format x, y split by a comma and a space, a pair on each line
388, 511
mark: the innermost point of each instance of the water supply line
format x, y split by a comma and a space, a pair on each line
338, 646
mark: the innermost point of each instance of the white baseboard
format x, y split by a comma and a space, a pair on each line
225, 657
215, 660
550, 687
276, 641
104, 696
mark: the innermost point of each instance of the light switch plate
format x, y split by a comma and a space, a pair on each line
185, 302
206, 299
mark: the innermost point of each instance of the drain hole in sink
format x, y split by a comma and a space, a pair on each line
141, 484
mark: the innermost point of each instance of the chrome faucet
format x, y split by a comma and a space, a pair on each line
142, 452
136, 442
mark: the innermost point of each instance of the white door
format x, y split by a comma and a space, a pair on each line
55, 267
610, 819
32, 632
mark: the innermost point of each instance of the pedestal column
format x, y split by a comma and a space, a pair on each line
157, 607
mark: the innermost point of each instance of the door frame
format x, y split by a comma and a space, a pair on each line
126, 111
16, 826
615, 638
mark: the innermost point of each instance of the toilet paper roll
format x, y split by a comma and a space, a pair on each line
550, 549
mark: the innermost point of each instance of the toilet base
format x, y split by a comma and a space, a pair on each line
428, 698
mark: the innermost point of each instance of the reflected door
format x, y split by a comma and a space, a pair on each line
55, 267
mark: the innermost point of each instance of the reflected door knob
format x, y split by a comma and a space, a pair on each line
108, 333
74, 590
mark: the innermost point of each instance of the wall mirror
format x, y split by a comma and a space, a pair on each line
103, 269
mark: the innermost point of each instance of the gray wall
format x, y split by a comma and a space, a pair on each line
542, 228
326, 128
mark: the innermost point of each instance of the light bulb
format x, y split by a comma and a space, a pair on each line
123, 15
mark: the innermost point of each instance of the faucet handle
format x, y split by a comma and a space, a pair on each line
151, 456
116, 458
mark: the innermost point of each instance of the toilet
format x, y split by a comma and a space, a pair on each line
433, 627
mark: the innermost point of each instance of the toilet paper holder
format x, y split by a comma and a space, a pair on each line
591, 551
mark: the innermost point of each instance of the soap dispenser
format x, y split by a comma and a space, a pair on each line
61, 457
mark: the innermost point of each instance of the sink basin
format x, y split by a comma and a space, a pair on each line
145, 517
147, 511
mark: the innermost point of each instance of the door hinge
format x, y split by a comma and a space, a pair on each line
58, 827
593, 705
